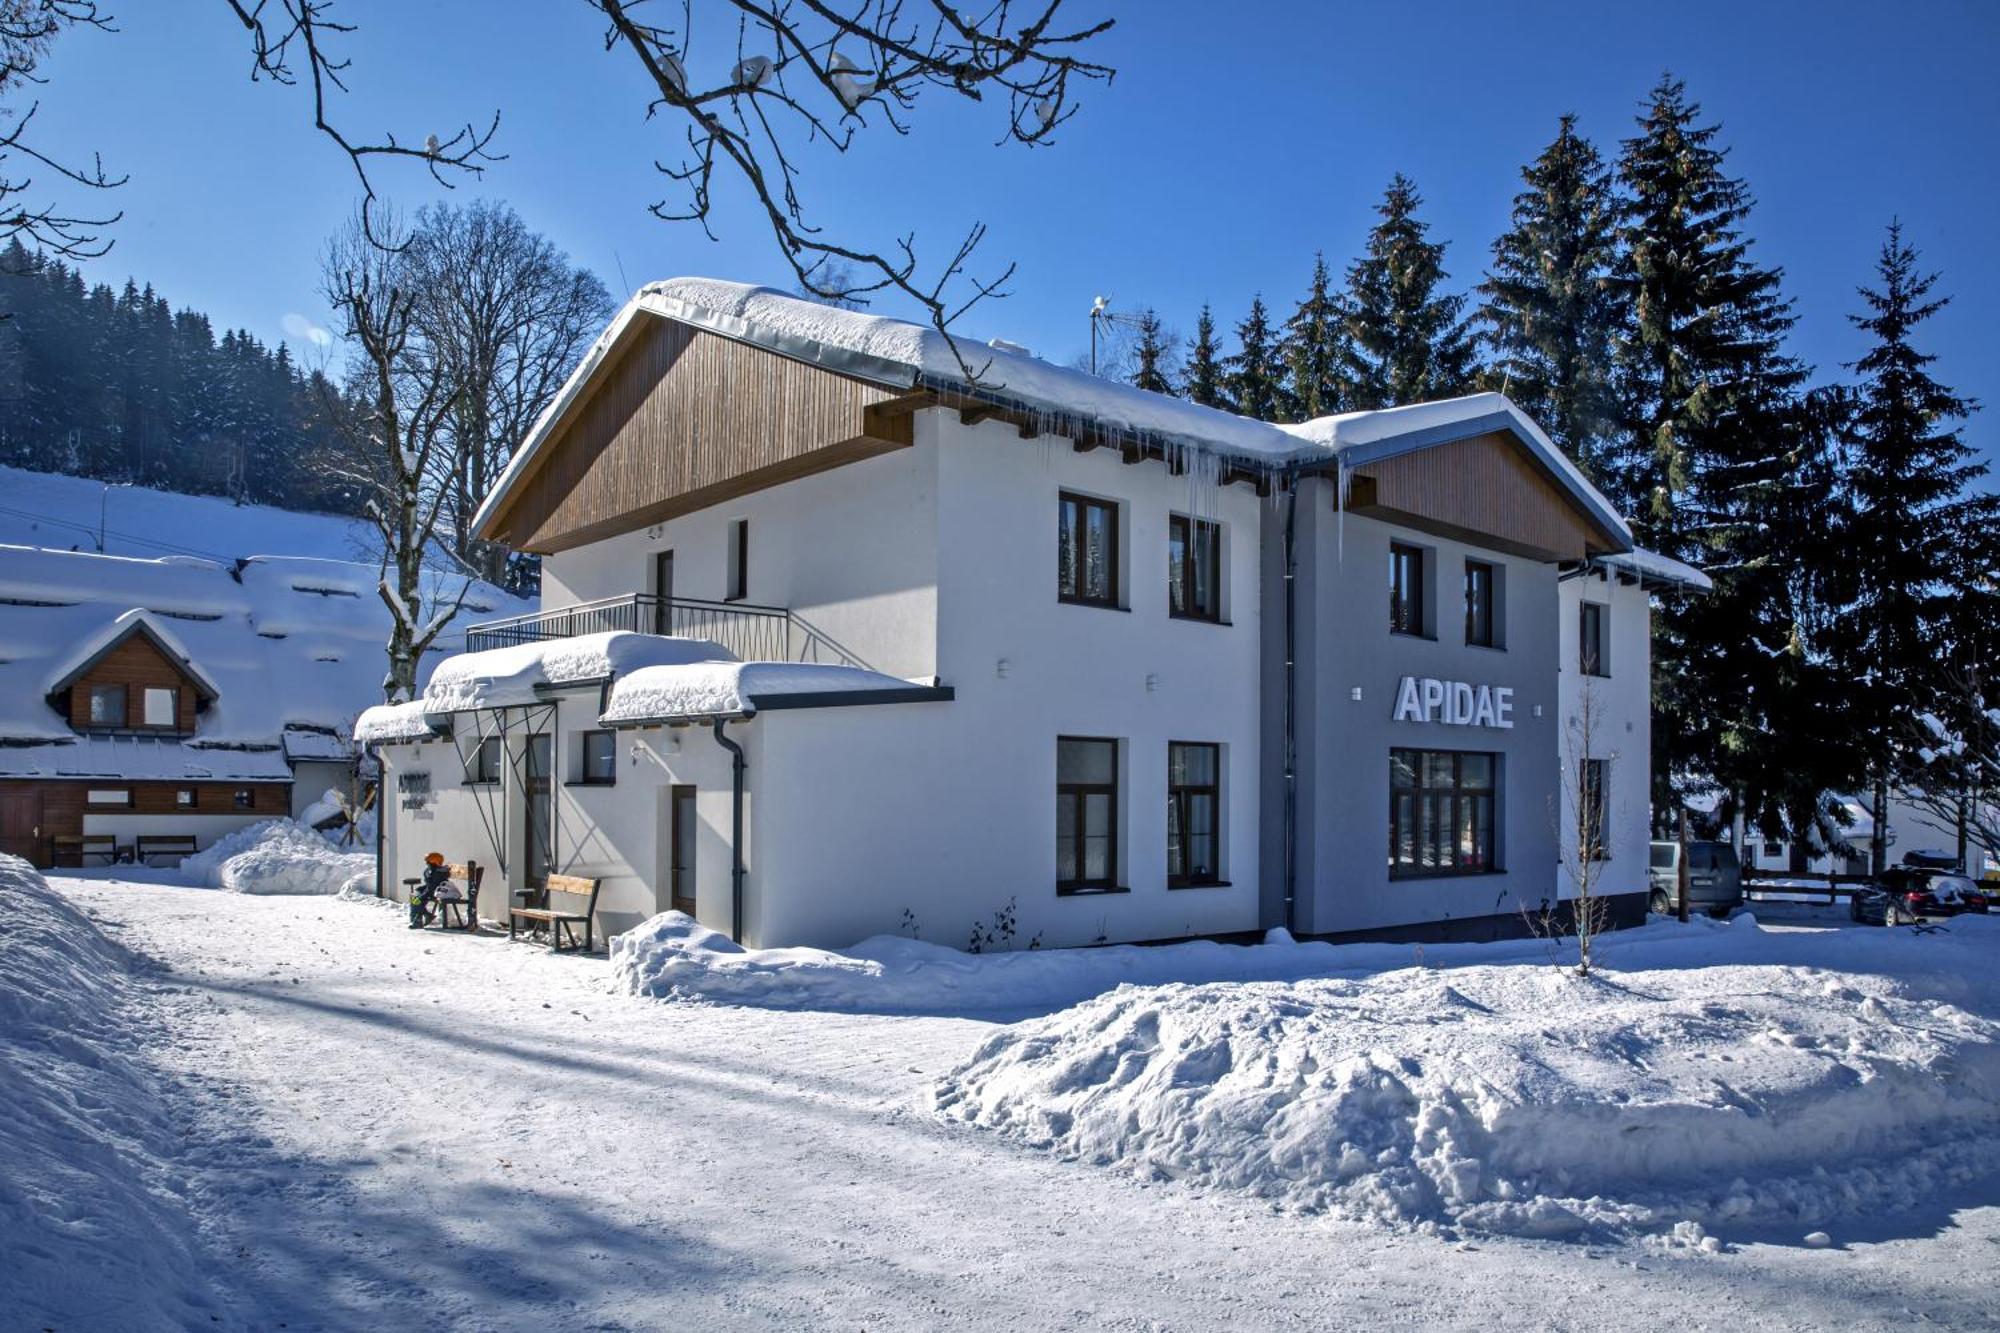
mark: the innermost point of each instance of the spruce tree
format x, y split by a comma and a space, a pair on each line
1313, 349
1719, 469
1548, 315
1407, 339
1255, 374
1916, 536
1151, 354
1204, 382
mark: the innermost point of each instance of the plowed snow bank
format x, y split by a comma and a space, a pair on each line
281, 856
1758, 1089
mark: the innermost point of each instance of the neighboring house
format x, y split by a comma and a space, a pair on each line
179, 695
1912, 828
848, 631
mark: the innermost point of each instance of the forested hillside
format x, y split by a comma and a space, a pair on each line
119, 386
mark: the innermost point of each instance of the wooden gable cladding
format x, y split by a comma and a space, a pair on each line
1485, 490
136, 663
680, 419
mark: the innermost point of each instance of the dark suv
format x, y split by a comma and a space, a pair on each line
1715, 877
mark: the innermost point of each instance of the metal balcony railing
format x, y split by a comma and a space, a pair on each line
753, 633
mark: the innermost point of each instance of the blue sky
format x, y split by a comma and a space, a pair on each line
1227, 151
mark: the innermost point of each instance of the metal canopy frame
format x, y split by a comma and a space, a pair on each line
505, 722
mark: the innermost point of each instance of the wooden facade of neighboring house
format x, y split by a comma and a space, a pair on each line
35, 812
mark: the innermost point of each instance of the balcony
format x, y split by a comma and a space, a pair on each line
753, 633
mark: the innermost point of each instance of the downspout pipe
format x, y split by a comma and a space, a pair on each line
1291, 815
737, 765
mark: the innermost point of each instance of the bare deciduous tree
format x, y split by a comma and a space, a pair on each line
1581, 826
397, 409
504, 317
28, 28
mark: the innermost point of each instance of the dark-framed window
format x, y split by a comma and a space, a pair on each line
1590, 645
1086, 814
1480, 626
600, 759
184, 798
739, 561
1406, 589
1592, 788
1441, 813
245, 798
1194, 814
483, 764
1087, 551
107, 705
1194, 568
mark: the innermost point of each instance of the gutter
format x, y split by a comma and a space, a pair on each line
737, 765
1291, 808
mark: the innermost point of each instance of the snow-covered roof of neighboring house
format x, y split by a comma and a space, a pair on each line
142, 759
701, 690
292, 648
85, 654
900, 354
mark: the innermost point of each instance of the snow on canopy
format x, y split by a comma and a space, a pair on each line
510, 677
1652, 567
292, 649
731, 689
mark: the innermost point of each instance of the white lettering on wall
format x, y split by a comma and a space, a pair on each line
1455, 703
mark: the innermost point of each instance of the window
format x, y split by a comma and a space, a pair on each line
1591, 820
245, 798
1194, 801
1087, 551
108, 796
739, 561
1194, 568
1479, 618
1441, 805
1774, 851
600, 758
107, 705
1406, 589
1590, 639
162, 707
484, 764
184, 798
1086, 815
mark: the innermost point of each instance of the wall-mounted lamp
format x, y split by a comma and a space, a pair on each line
1152, 681
1355, 694
1002, 667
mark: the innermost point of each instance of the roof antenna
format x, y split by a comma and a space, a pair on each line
624, 283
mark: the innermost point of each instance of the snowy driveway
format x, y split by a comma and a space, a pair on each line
356, 1156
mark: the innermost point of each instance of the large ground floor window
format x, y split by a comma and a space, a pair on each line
1086, 815
1441, 813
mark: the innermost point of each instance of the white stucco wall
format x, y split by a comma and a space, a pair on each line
1620, 725
205, 828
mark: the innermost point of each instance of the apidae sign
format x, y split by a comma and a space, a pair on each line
1455, 703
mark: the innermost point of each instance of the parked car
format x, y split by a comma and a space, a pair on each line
1715, 877
1909, 893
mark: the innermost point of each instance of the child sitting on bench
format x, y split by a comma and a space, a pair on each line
423, 903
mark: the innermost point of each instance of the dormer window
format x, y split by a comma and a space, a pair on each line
163, 707
107, 705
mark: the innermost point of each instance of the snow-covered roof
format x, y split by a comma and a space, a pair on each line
901, 354
386, 723
143, 758
84, 653
292, 648
524, 673
739, 689
1653, 568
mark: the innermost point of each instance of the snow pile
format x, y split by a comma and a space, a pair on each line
92, 1233
674, 956
712, 689
504, 677
393, 722
1519, 1099
280, 856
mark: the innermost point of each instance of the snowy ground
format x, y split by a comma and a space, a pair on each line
348, 1150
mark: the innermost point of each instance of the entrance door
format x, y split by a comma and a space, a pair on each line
535, 873
663, 592
21, 824
681, 873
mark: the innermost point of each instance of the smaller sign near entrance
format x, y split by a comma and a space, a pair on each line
415, 789
1455, 703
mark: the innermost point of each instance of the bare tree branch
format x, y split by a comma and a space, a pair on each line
28, 28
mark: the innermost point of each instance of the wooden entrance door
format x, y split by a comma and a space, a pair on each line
539, 806
21, 824
681, 872
663, 591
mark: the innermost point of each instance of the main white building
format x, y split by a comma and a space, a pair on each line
850, 631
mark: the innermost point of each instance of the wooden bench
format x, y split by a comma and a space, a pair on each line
82, 846
560, 924
148, 845
466, 909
